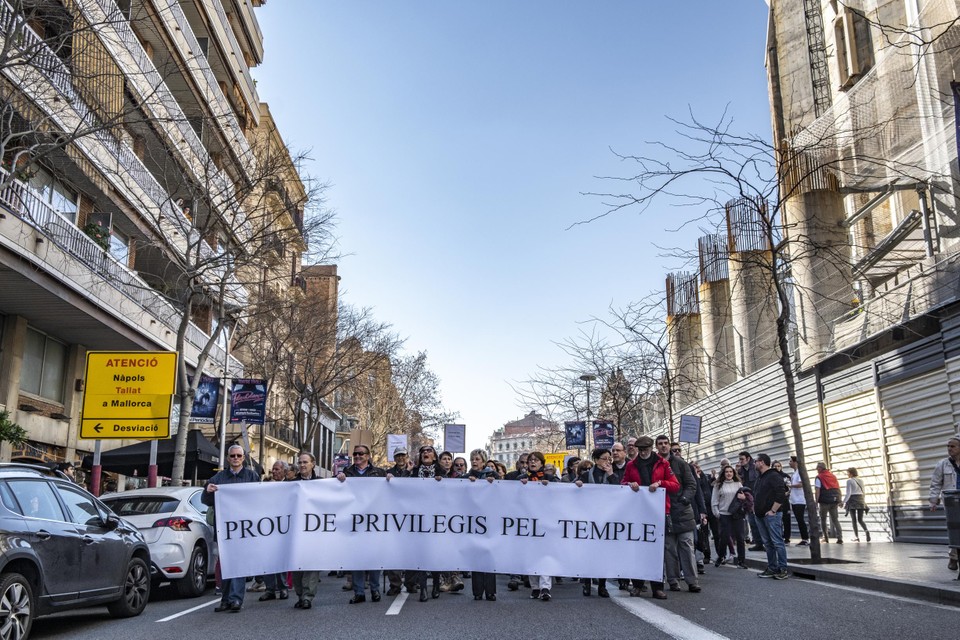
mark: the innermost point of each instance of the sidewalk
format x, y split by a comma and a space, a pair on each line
910, 570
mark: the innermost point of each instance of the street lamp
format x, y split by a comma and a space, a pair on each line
588, 378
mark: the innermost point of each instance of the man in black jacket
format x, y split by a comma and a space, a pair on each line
678, 543
362, 467
232, 589
770, 495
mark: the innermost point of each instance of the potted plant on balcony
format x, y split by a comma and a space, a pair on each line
98, 234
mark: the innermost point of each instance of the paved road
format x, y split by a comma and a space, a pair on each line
734, 604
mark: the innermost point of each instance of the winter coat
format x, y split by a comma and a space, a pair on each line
683, 512
944, 479
769, 490
662, 473
371, 472
596, 475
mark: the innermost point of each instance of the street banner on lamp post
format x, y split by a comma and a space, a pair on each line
206, 400
248, 401
576, 434
603, 434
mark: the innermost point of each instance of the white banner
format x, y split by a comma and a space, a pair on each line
451, 525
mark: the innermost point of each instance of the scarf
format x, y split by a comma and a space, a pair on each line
427, 471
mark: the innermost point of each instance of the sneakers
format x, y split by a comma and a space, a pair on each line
513, 585
545, 595
719, 561
766, 573
700, 569
781, 575
257, 586
535, 594
803, 543
756, 547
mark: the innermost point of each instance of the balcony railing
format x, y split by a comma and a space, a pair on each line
24, 203
226, 119
247, 86
279, 432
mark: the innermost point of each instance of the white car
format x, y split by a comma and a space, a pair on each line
173, 523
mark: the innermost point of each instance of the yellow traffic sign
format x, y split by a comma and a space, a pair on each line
128, 394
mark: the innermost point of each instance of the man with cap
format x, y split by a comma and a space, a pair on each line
399, 468
653, 472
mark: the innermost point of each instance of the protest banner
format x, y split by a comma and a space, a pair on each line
499, 527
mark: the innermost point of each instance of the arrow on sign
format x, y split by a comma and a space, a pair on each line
98, 428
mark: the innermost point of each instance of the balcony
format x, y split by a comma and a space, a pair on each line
115, 159
146, 83
100, 267
928, 285
222, 30
179, 30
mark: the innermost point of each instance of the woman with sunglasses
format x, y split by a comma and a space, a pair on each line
428, 466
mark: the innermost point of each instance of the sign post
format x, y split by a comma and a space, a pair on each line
127, 394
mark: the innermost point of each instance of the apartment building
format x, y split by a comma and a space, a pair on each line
143, 181
862, 106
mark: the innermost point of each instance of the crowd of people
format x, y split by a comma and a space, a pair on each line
706, 513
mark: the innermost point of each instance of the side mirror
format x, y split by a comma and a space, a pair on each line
113, 521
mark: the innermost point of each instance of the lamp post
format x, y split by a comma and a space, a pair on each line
588, 378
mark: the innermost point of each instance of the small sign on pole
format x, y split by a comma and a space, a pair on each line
396, 441
690, 429
455, 438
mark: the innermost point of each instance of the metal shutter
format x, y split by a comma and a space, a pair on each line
917, 421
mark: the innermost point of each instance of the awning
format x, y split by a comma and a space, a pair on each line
203, 458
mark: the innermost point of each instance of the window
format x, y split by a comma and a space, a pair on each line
82, 509
853, 43
120, 246
197, 504
36, 499
142, 505
52, 192
44, 366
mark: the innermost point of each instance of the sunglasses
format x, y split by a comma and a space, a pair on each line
235, 455
676, 450
358, 454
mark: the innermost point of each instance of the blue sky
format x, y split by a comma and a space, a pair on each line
457, 137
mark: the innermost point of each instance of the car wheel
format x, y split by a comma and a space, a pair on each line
16, 607
194, 583
136, 591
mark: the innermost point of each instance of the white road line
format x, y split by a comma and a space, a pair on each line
183, 613
397, 604
878, 594
670, 623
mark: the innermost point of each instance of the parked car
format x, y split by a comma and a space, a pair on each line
173, 522
61, 548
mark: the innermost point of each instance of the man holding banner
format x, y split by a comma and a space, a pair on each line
232, 589
361, 468
651, 471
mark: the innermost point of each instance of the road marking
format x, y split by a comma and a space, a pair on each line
191, 610
670, 623
879, 594
397, 604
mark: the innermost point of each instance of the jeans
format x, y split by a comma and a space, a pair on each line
232, 590
679, 555
754, 529
373, 577
771, 532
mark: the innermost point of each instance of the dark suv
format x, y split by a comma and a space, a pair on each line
61, 548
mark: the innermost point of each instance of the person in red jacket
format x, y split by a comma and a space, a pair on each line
651, 471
